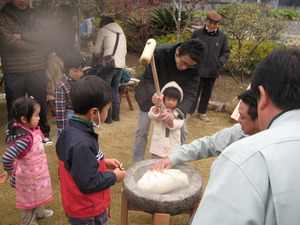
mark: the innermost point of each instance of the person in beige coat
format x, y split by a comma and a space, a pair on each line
105, 43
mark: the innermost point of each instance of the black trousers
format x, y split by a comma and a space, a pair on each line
205, 87
31, 83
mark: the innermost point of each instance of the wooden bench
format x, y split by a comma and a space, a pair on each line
124, 90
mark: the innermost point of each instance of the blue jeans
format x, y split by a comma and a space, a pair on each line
113, 78
97, 220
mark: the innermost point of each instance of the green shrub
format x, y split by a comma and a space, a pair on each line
199, 13
165, 21
138, 29
140, 73
240, 59
172, 38
247, 26
286, 14
158, 23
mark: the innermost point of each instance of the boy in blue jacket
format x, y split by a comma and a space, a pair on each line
84, 179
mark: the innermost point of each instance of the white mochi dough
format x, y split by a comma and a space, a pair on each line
160, 183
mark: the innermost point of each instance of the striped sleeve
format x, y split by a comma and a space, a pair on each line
11, 153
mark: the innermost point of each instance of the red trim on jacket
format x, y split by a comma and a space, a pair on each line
77, 204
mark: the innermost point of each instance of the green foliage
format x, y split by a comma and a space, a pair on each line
244, 24
158, 23
138, 29
249, 22
199, 13
172, 38
140, 73
164, 20
286, 14
96, 24
240, 60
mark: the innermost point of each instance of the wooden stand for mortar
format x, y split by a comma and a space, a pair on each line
157, 218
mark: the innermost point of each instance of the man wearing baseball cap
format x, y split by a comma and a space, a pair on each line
217, 55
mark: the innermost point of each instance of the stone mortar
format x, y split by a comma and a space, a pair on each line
174, 202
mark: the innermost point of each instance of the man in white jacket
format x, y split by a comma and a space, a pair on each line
209, 146
256, 180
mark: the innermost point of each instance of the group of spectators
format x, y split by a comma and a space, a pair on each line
35, 49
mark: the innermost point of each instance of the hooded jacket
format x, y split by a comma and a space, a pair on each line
106, 40
25, 54
165, 139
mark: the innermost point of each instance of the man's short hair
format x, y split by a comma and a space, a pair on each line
90, 92
279, 75
249, 99
195, 48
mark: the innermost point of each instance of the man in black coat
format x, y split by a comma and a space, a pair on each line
174, 62
217, 55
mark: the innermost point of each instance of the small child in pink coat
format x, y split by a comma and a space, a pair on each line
26, 161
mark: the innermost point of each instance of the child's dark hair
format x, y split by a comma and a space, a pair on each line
23, 107
73, 60
86, 13
90, 92
172, 92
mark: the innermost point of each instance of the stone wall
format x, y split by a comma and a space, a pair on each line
291, 29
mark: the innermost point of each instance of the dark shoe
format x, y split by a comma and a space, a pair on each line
108, 121
109, 117
116, 113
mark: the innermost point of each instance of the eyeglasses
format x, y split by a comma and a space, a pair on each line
182, 62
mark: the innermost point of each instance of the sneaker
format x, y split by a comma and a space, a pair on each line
48, 213
203, 117
47, 142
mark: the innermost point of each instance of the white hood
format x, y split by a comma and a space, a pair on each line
174, 85
114, 27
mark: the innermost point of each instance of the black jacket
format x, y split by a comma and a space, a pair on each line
217, 51
167, 71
